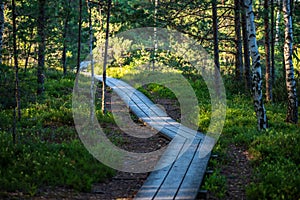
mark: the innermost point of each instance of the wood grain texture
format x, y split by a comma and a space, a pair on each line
181, 169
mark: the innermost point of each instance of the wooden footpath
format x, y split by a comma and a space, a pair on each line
181, 169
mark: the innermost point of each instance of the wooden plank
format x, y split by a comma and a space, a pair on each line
183, 177
180, 131
171, 184
156, 178
138, 112
170, 134
194, 177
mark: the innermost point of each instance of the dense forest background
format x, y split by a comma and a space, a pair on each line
43, 42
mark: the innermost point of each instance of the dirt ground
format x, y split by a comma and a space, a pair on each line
124, 186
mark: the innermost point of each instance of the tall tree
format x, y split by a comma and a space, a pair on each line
1, 27
256, 68
155, 34
28, 50
103, 108
272, 36
292, 111
216, 43
79, 37
269, 96
278, 23
92, 101
64, 35
78, 44
17, 107
247, 71
41, 22
238, 41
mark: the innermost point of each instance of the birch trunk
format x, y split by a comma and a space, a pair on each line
292, 111
247, 71
1, 27
238, 41
256, 68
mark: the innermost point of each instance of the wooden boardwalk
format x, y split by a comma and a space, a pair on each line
181, 169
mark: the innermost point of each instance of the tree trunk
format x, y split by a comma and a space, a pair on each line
105, 59
64, 53
155, 35
277, 23
272, 44
248, 81
292, 111
79, 37
267, 53
17, 107
216, 44
238, 41
78, 44
256, 68
28, 51
1, 27
41, 52
92, 89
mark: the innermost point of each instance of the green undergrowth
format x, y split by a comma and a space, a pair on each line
48, 151
274, 153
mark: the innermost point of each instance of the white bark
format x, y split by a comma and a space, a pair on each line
256, 67
292, 112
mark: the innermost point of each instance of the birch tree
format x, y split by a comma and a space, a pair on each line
247, 71
256, 68
292, 110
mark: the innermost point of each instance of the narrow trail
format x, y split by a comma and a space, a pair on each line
181, 168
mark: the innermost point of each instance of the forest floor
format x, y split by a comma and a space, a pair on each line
124, 186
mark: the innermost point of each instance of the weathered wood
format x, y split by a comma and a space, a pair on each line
173, 181
181, 168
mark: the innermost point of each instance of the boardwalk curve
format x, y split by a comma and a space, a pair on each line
181, 169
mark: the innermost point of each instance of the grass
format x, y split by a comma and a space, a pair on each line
275, 152
48, 151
